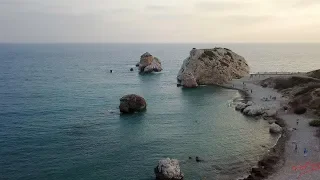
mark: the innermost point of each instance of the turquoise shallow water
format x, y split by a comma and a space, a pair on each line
59, 112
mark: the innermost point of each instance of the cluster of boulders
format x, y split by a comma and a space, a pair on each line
253, 110
168, 169
149, 63
211, 66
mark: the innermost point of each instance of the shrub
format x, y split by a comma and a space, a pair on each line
315, 123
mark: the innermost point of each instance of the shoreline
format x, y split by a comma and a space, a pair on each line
279, 162
274, 159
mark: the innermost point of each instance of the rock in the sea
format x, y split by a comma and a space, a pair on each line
149, 63
132, 103
168, 169
189, 81
275, 128
254, 110
211, 66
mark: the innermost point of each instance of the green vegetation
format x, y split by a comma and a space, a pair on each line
315, 123
209, 53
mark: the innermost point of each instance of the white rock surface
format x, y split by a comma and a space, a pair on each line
149, 63
270, 113
212, 66
168, 169
275, 128
254, 110
241, 106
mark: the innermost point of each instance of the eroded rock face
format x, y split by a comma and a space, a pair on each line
275, 129
211, 66
149, 63
168, 169
132, 103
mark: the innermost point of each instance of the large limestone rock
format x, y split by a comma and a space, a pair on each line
132, 103
168, 169
149, 63
211, 66
275, 128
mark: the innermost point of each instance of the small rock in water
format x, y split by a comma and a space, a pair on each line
168, 169
131, 69
190, 157
198, 159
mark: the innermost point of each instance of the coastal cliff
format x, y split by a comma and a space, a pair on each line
211, 66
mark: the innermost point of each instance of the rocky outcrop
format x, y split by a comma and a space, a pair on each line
314, 74
275, 129
211, 66
132, 103
303, 91
168, 169
149, 63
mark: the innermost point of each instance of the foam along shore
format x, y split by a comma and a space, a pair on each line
279, 161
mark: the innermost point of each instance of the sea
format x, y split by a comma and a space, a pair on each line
59, 115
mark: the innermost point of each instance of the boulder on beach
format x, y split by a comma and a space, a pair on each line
132, 103
149, 63
168, 169
211, 66
270, 113
241, 106
254, 110
275, 128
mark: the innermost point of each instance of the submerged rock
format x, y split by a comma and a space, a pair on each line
149, 63
275, 129
168, 169
132, 103
211, 66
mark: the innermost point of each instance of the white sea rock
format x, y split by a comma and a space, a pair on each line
149, 63
168, 169
212, 66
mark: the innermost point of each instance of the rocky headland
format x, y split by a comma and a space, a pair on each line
211, 66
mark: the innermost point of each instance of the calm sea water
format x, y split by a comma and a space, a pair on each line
59, 112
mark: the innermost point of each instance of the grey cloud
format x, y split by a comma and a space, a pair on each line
158, 8
220, 5
16, 2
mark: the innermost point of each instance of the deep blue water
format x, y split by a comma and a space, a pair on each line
59, 112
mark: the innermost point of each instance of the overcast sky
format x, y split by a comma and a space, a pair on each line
159, 21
